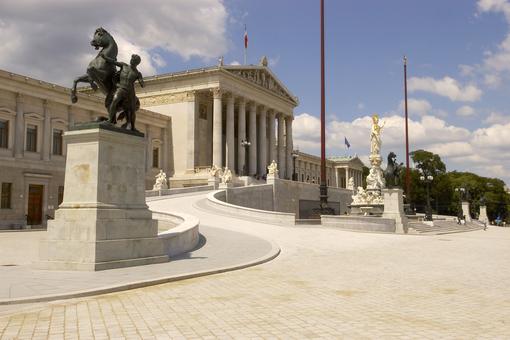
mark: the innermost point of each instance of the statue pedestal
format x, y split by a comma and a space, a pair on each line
270, 179
103, 222
226, 185
214, 181
483, 214
394, 209
465, 211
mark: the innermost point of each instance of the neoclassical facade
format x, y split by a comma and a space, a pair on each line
238, 117
34, 116
338, 170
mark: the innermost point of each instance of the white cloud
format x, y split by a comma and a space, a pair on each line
485, 151
446, 87
419, 107
497, 118
58, 49
235, 63
465, 111
496, 64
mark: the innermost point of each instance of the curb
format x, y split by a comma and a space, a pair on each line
272, 254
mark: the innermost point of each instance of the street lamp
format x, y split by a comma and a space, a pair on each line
462, 195
245, 144
427, 179
295, 155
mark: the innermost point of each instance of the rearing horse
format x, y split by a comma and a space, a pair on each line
392, 172
100, 74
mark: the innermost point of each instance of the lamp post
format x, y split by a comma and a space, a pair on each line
295, 155
462, 195
427, 179
245, 144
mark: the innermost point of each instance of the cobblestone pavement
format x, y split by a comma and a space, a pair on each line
326, 284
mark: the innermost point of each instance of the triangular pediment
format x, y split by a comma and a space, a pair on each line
262, 76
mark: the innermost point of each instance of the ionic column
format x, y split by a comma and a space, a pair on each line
241, 135
46, 133
217, 129
252, 134
289, 145
281, 149
148, 149
272, 153
262, 138
19, 136
230, 147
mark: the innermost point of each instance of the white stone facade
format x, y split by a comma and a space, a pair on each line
213, 110
338, 170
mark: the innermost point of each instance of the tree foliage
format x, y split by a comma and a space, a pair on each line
444, 199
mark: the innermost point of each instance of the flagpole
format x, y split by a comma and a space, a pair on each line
408, 177
323, 196
245, 43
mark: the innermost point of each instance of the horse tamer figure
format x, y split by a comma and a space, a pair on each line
117, 86
392, 172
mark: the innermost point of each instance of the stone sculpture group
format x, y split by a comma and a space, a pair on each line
117, 85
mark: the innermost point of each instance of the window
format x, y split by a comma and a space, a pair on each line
57, 142
32, 138
60, 194
6, 196
155, 158
4, 134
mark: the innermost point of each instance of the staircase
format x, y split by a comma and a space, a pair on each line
442, 227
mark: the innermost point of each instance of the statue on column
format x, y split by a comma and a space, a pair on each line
117, 86
375, 135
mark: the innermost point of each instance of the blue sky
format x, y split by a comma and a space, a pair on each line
458, 50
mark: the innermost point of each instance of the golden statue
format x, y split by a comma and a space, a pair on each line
375, 135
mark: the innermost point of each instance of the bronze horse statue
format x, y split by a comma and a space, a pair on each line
392, 172
100, 74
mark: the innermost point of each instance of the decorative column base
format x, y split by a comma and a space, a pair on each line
103, 222
483, 214
465, 211
394, 209
214, 181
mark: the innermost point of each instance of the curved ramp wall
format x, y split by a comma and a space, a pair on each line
217, 200
182, 232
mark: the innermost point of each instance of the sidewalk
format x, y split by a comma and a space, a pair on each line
219, 250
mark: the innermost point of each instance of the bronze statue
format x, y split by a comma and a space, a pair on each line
118, 87
392, 172
124, 96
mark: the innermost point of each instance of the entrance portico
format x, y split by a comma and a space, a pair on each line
219, 108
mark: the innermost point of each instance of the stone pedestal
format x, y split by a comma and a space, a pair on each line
465, 211
226, 185
214, 181
270, 179
394, 208
483, 214
103, 222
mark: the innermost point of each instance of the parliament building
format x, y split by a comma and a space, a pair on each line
238, 117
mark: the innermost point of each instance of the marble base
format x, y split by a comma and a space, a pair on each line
394, 209
483, 214
465, 211
103, 222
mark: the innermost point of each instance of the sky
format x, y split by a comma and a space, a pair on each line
458, 62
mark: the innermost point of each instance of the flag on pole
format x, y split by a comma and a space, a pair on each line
347, 142
245, 43
245, 38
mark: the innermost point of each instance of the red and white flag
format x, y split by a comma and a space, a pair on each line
245, 37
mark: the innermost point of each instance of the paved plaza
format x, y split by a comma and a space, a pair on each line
325, 283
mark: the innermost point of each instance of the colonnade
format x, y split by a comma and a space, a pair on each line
256, 127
